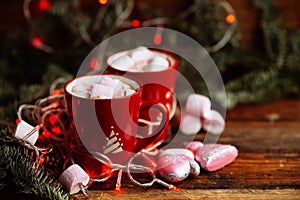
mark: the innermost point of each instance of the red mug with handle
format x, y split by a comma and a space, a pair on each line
158, 84
109, 127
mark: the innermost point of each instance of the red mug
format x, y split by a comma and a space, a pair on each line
110, 126
158, 85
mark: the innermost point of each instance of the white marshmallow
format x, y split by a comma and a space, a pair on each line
198, 105
214, 123
120, 89
189, 124
23, 129
107, 81
140, 55
72, 177
101, 92
123, 63
129, 92
158, 63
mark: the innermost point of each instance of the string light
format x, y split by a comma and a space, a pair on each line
135, 23
93, 63
44, 5
158, 38
230, 19
102, 2
36, 42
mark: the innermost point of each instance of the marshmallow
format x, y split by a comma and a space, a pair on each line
198, 105
22, 131
214, 124
120, 89
174, 168
101, 92
158, 63
178, 152
123, 62
195, 168
129, 92
73, 177
82, 90
215, 156
140, 55
189, 124
194, 146
107, 81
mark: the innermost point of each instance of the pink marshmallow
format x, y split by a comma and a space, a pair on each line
194, 146
189, 124
214, 123
173, 168
72, 177
213, 157
198, 105
101, 92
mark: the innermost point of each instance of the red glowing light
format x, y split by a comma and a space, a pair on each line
18, 121
157, 39
174, 188
52, 120
56, 130
230, 19
93, 63
44, 5
118, 189
102, 2
55, 104
135, 23
57, 92
36, 42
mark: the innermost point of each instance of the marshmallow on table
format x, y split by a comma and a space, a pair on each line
214, 124
198, 105
215, 156
174, 168
195, 168
189, 124
176, 164
101, 92
124, 62
194, 146
73, 177
157, 63
22, 131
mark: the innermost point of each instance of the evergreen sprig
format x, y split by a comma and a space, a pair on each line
16, 166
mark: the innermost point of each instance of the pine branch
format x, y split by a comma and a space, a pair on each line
15, 161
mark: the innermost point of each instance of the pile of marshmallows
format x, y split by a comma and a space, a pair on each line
177, 164
140, 59
105, 88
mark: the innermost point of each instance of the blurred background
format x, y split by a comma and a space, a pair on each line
254, 43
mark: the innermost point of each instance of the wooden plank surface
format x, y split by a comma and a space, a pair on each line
268, 165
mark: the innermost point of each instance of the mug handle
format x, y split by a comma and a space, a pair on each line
147, 104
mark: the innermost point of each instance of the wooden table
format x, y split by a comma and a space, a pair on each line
268, 165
